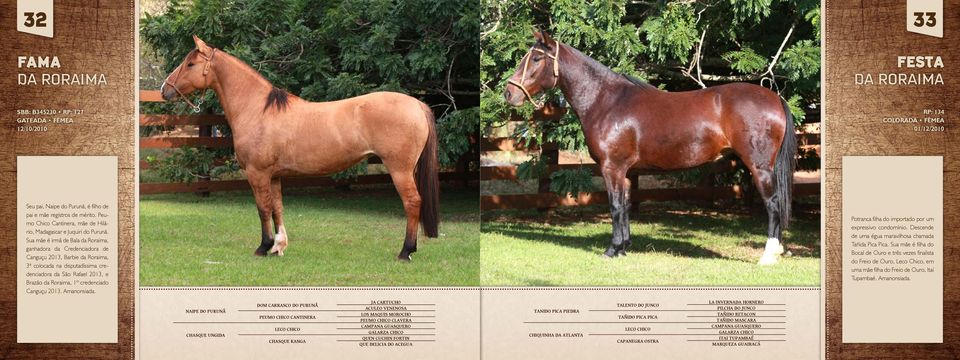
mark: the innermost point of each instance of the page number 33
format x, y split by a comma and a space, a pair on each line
925, 19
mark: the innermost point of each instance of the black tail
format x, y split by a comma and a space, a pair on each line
784, 168
428, 181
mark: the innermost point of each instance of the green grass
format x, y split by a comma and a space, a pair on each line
673, 245
336, 239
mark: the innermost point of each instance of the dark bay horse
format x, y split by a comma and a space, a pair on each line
277, 134
629, 124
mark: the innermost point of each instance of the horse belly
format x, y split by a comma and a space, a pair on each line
313, 165
320, 160
683, 152
319, 150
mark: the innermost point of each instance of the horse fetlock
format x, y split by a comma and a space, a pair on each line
279, 244
611, 252
773, 246
771, 252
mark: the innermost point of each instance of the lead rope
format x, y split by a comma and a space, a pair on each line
526, 64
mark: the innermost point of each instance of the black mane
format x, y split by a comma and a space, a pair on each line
602, 71
637, 81
277, 97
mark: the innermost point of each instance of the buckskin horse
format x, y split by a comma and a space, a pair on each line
277, 134
631, 124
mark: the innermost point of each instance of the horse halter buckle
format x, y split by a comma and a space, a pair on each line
206, 70
526, 63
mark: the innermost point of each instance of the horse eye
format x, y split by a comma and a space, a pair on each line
537, 58
190, 65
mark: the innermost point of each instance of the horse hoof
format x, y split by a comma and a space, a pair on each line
259, 252
405, 259
767, 260
622, 253
278, 250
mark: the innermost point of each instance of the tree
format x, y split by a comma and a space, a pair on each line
675, 45
325, 50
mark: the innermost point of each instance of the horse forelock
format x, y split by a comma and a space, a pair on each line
277, 97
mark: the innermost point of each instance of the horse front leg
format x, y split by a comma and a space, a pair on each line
281, 240
618, 192
260, 183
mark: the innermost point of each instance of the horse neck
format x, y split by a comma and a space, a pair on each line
584, 81
240, 88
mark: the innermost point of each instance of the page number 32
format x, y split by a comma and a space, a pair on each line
35, 19
925, 19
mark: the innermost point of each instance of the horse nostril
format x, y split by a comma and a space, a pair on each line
506, 94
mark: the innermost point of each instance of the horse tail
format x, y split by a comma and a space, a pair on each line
428, 181
785, 166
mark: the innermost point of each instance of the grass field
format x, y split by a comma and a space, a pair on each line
673, 245
337, 238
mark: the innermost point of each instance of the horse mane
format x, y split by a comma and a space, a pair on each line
636, 81
277, 97
602, 70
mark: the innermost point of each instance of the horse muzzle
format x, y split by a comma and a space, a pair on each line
167, 92
513, 96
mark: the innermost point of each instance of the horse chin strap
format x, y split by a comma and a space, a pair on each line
526, 63
206, 70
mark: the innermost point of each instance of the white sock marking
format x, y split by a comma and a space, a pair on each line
771, 252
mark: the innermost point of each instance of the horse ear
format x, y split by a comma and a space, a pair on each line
201, 46
546, 38
538, 35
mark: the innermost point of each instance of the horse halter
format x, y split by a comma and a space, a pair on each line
206, 69
526, 63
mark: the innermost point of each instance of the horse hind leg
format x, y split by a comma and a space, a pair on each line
773, 248
407, 188
281, 240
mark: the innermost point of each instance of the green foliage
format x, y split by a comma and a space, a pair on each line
571, 182
801, 60
186, 164
450, 134
745, 60
750, 10
794, 103
352, 172
672, 32
325, 50
533, 169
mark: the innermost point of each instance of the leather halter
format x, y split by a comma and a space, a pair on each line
206, 69
526, 64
